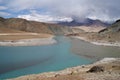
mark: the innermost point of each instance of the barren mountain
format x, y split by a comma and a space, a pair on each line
33, 26
114, 28
111, 34
108, 36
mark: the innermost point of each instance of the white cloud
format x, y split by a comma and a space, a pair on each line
101, 9
3, 8
44, 18
4, 14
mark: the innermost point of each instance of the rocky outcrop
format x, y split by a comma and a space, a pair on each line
96, 69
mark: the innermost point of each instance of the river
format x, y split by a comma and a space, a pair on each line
18, 61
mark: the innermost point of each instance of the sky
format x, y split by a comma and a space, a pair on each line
60, 10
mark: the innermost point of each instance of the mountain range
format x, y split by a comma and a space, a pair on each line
85, 22
33, 26
57, 29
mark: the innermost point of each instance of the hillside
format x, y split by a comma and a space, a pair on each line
109, 36
90, 28
8, 30
114, 28
33, 26
112, 33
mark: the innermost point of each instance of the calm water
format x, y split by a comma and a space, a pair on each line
17, 61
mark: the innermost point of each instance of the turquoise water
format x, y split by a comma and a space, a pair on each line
18, 61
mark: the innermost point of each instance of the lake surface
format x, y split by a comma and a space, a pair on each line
18, 61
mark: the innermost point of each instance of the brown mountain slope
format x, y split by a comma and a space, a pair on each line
7, 30
110, 34
33, 26
114, 28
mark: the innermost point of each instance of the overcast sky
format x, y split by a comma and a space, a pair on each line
61, 10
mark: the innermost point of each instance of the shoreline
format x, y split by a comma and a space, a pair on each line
102, 43
116, 44
29, 42
79, 70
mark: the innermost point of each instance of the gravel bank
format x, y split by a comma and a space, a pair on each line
28, 42
111, 72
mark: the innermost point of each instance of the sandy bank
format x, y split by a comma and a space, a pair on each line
28, 42
117, 44
111, 72
104, 43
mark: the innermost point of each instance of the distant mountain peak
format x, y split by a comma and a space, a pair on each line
84, 22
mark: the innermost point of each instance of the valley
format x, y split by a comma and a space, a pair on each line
20, 32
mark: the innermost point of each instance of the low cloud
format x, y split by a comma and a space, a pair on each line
44, 18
